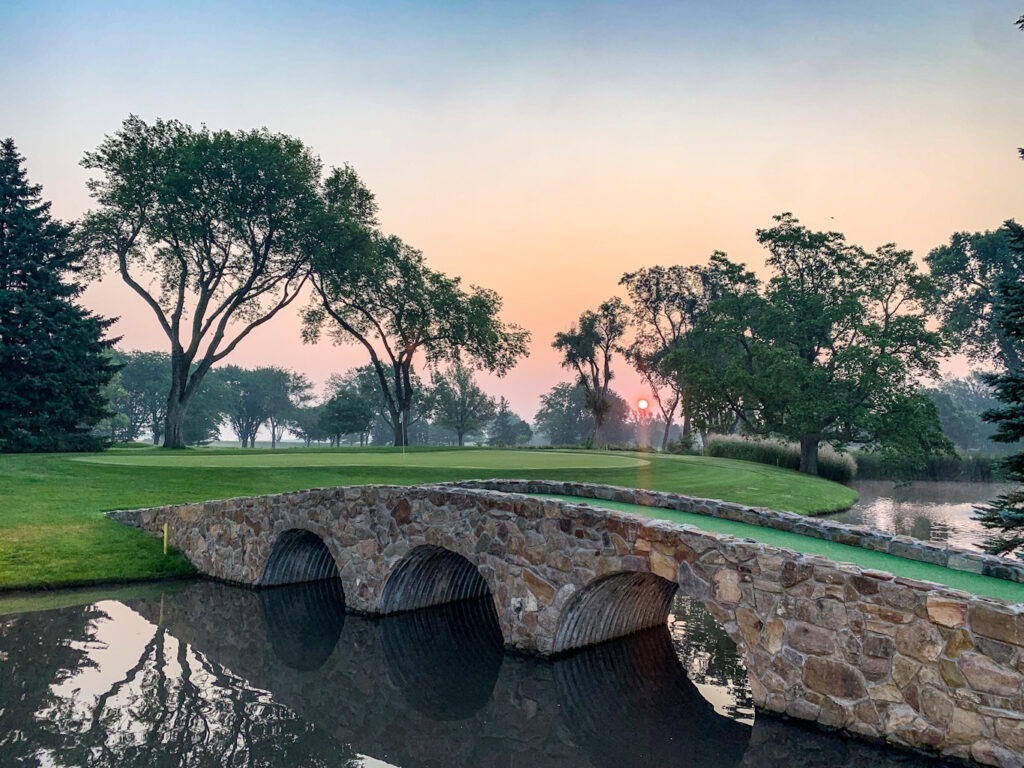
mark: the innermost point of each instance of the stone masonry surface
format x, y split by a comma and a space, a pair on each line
908, 662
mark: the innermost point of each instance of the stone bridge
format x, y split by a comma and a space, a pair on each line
911, 663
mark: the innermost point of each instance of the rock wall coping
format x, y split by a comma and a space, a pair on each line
907, 547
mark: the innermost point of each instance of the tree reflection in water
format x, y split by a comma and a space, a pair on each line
70, 701
222, 677
711, 659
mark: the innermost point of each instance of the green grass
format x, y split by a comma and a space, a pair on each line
53, 533
969, 582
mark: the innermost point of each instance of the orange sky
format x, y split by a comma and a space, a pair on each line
543, 150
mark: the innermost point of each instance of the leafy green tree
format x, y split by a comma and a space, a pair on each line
54, 360
308, 426
961, 403
378, 292
145, 379
210, 228
1005, 514
969, 274
456, 402
347, 413
507, 429
587, 349
829, 349
267, 395
565, 419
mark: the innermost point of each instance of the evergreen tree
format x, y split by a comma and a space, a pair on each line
508, 429
1006, 513
53, 361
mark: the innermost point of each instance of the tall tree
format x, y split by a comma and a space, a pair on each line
457, 403
1005, 514
145, 379
829, 349
970, 273
665, 305
54, 361
267, 395
376, 291
209, 228
587, 349
507, 428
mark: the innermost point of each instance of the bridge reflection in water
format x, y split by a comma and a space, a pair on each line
300, 683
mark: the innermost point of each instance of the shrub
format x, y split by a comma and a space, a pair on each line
974, 468
832, 465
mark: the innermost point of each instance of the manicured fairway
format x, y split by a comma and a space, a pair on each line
53, 533
969, 582
466, 459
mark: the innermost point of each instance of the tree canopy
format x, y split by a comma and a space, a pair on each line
587, 349
209, 228
1005, 514
970, 273
457, 403
829, 348
54, 359
374, 290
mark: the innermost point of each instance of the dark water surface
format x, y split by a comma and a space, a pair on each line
212, 675
931, 511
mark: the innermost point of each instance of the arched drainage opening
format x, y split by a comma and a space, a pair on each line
613, 606
630, 697
298, 556
431, 575
304, 621
446, 658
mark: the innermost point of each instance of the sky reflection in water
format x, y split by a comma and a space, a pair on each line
221, 676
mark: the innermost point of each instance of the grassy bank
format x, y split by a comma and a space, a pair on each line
53, 532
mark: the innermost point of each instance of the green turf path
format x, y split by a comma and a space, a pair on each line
865, 558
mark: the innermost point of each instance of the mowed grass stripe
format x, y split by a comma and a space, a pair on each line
843, 553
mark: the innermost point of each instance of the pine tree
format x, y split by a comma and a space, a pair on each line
52, 362
1006, 512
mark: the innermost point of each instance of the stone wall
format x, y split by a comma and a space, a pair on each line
937, 553
889, 658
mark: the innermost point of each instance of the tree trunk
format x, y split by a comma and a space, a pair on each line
809, 454
174, 424
461, 439
664, 436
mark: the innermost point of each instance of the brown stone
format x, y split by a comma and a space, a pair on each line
998, 623
947, 611
951, 673
795, 572
749, 624
402, 513
919, 640
936, 706
1011, 733
879, 646
958, 642
833, 678
904, 670
727, 586
663, 565
542, 588
985, 676
965, 727
990, 753
808, 638
773, 635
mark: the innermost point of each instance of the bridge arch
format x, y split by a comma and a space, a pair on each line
612, 606
431, 575
297, 556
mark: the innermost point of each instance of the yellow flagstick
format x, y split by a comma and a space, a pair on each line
165, 538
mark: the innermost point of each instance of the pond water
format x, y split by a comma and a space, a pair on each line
204, 674
932, 511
